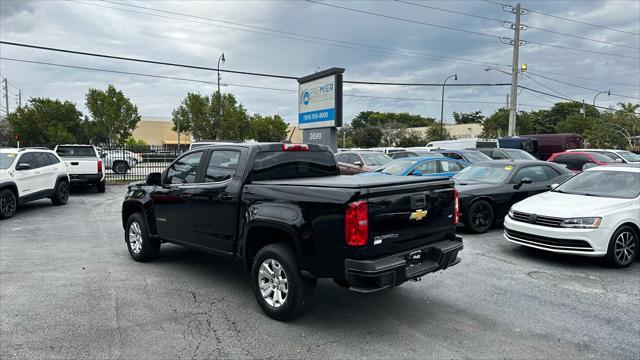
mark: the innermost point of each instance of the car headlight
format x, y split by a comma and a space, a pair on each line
582, 223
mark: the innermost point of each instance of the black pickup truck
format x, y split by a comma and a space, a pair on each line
285, 211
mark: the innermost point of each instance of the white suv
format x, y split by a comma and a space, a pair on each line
29, 174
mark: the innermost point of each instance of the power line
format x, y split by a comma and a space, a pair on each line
567, 19
306, 38
422, 84
558, 97
147, 61
238, 85
545, 86
404, 20
222, 70
467, 31
587, 78
579, 86
504, 22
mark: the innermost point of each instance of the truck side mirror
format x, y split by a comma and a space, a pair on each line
23, 166
154, 178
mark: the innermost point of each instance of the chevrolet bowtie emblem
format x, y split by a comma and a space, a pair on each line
418, 215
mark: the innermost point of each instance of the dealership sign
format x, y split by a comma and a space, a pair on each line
320, 99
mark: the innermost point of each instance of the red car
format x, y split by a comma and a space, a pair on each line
576, 161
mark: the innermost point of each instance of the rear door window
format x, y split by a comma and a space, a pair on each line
535, 173
222, 165
449, 166
42, 159
427, 167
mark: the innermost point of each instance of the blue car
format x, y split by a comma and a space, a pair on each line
418, 166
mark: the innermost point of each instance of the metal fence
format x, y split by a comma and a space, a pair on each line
132, 163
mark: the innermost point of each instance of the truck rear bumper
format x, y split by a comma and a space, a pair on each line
373, 275
86, 178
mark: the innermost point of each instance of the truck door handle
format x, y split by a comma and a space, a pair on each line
225, 197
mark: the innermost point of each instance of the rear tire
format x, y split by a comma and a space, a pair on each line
141, 246
120, 167
8, 203
280, 289
623, 247
60, 194
101, 186
480, 217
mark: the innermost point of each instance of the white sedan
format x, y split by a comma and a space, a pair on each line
595, 213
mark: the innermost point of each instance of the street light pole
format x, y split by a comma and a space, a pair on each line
455, 77
514, 73
608, 92
221, 58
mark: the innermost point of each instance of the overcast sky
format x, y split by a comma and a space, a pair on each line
297, 38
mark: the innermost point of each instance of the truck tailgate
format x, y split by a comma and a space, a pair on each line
404, 217
81, 166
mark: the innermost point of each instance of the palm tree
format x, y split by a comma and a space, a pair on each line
629, 107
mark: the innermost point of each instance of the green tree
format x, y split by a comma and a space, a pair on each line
268, 128
48, 122
389, 119
344, 137
6, 133
410, 138
213, 118
475, 117
366, 137
114, 115
131, 141
497, 124
434, 134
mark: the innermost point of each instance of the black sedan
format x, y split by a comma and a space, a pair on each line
488, 189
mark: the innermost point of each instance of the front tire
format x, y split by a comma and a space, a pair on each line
8, 203
280, 289
480, 217
623, 247
140, 245
60, 194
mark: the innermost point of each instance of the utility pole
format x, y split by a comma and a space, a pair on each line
19, 98
6, 95
584, 110
507, 101
514, 73
178, 129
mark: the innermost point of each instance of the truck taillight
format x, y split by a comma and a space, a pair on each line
356, 224
99, 165
456, 207
295, 147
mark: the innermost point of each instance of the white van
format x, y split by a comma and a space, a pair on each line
460, 144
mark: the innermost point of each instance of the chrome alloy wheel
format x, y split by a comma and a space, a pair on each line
273, 283
625, 247
135, 237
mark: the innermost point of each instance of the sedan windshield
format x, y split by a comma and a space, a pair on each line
614, 184
375, 158
493, 174
629, 156
6, 159
473, 156
396, 167
516, 154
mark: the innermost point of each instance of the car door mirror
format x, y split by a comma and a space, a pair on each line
154, 178
23, 166
357, 163
417, 173
618, 160
553, 186
523, 181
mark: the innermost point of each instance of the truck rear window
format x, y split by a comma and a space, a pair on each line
77, 151
274, 165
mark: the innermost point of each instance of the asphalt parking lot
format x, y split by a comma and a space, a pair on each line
68, 289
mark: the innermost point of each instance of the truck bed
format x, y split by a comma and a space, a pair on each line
353, 182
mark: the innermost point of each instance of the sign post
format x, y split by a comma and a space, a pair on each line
320, 107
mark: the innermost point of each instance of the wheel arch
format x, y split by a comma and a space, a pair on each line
130, 207
259, 234
634, 226
12, 186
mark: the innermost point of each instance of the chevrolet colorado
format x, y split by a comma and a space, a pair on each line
285, 211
